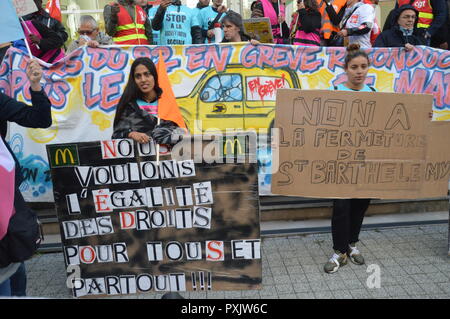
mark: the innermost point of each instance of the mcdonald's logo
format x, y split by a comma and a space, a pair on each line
66, 155
236, 146
63, 156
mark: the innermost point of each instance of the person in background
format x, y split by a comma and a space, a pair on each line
43, 17
208, 17
332, 12
234, 30
127, 23
376, 30
348, 214
357, 23
432, 18
404, 32
306, 23
155, 33
178, 24
3, 48
201, 4
13, 276
144, 5
44, 43
277, 16
89, 35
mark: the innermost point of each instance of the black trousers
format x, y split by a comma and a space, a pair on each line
346, 222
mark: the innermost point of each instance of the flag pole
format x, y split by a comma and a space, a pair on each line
279, 12
157, 145
25, 40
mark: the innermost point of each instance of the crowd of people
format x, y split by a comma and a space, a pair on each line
349, 23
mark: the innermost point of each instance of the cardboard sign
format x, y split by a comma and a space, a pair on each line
336, 144
259, 29
24, 7
131, 225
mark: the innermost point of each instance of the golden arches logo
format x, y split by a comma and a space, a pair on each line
63, 156
233, 143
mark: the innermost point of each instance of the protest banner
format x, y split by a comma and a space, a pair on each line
259, 29
360, 145
130, 224
9, 24
24, 7
217, 86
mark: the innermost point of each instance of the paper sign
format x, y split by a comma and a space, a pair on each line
360, 145
259, 29
197, 232
24, 7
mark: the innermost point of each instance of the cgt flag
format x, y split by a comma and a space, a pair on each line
9, 23
167, 105
53, 8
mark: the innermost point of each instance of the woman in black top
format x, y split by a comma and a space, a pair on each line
37, 116
137, 112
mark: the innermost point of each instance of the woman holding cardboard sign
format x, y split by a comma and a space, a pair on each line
348, 214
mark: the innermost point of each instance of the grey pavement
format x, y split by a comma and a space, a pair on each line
412, 262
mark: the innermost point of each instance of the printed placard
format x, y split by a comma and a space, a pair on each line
190, 226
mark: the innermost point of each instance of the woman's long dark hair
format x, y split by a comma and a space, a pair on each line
132, 92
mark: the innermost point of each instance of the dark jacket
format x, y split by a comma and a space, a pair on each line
394, 37
439, 12
37, 116
258, 12
50, 40
133, 118
308, 21
53, 24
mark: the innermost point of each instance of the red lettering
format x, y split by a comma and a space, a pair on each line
91, 252
265, 55
98, 58
100, 203
108, 150
127, 220
217, 248
110, 90
411, 84
117, 59
335, 58
90, 99
216, 59
195, 57
249, 56
436, 88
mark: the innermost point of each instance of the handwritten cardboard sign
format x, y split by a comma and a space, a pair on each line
259, 29
360, 145
134, 225
24, 7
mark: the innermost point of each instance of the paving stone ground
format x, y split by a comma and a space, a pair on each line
413, 262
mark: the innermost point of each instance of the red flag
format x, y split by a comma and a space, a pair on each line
167, 104
53, 8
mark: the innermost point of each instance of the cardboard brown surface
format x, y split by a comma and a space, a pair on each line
336, 144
